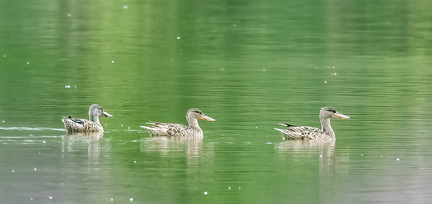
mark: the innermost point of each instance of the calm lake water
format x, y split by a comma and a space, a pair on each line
248, 64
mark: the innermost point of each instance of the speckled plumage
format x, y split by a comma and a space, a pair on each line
312, 133
175, 130
83, 125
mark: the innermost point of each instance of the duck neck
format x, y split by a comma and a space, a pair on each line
193, 123
326, 127
94, 118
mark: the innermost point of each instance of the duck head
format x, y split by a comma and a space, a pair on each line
197, 114
96, 110
328, 112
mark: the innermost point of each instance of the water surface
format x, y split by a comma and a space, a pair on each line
250, 65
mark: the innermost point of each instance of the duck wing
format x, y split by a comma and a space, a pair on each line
74, 124
166, 129
77, 120
300, 132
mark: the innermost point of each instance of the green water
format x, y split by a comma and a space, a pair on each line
248, 64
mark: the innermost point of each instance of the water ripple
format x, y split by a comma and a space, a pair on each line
30, 128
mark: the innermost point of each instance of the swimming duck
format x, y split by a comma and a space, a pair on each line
312, 133
174, 129
83, 125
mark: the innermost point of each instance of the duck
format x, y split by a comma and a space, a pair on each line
75, 125
175, 130
312, 133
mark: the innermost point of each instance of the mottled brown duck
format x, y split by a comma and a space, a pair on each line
174, 129
87, 126
312, 133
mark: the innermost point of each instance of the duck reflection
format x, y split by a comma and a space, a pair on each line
191, 145
297, 145
191, 150
327, 167
83, 136
80, 144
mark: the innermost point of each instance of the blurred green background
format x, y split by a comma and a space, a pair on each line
249, 65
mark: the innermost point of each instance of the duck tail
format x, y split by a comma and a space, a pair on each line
280, 130
286, 125
146, 127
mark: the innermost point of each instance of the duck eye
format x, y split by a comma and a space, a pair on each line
331, 110
198, 112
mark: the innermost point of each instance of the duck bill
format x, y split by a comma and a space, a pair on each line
340, 115
204, 117
105, 114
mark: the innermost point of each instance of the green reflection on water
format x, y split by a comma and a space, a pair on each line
249, 65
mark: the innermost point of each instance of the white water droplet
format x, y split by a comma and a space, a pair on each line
111, 199
69, 14
50, 197
35, 169
112, 61
178, 37
27, 62
67, 86
325, 82
125, 6
205, 192
131, 199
